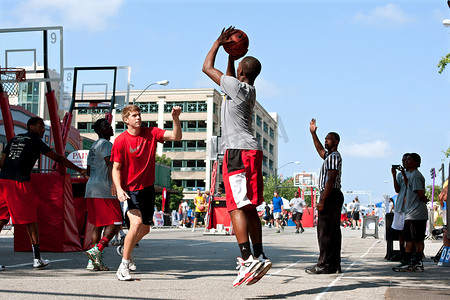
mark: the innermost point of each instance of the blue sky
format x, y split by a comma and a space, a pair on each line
365, 69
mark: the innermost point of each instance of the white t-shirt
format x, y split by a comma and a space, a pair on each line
99, 183
184, 206
297, 204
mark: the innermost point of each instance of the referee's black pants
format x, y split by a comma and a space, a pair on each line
329, 231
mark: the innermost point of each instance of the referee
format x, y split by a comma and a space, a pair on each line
330, 204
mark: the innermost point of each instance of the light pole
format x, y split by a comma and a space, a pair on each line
162, 82
276, 170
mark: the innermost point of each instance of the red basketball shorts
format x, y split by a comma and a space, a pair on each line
4, 211
242, 176
21, 200
104, 212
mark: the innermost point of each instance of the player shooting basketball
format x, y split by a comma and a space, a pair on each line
242, 168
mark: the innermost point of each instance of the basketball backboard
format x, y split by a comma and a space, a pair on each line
32, 49
97, 84
305, 179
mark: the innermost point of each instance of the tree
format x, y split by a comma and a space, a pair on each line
285, 189
175, 199
429, 192
443, 63
163, 160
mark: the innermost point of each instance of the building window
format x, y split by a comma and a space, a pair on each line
270, 164
149, 124
143, 106
153, 108
271, 147
28, 96
84, 127
258, 121
120, 126
168, 106
265, 144
258, 137
271, 133
168, 125
266, 127
191, 146
265, 161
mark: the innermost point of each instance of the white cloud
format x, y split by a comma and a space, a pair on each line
74, 14
389, 14
375, 149
266, 89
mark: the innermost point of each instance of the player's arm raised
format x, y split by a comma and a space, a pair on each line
176, 134
208, 65
317, 143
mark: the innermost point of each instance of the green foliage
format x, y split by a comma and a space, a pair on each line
175, 199
447, 153
443, 63
429, 191
163, 160
287, 193
439, 221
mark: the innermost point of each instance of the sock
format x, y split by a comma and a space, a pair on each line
36, 251
407, 256
258, 250
245, 250
103, 243
402, 248
125, 262
418, 256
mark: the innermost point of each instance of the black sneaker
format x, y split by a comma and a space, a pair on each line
418, 266
404, 267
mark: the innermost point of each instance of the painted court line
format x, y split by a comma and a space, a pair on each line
30, 264
333, 283
288, 267
202, 243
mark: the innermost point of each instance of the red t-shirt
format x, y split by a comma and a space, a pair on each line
136, 154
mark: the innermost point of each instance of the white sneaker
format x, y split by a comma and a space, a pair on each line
132, 265
247, 268
265, 267
193, 229
123, 273
40, 263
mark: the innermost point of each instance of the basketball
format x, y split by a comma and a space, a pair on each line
201, 208
238, 44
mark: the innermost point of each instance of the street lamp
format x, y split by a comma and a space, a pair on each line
276, 169
162, 82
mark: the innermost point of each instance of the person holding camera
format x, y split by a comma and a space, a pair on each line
399, 206
416, 216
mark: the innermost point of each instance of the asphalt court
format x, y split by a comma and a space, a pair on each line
178, 264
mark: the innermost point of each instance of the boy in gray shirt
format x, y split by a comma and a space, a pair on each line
416, 216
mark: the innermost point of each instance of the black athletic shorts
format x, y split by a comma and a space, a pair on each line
414, 230
144, 200
200, 214
297, 216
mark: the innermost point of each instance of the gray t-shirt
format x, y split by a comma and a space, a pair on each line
236, 115
99, 183
297, 204
400, 203
414, 208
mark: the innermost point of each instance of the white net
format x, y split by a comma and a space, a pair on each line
9, 80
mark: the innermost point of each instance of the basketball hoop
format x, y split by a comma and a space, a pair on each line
97, 112
9, 80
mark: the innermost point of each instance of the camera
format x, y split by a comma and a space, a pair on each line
438, 231
398, 167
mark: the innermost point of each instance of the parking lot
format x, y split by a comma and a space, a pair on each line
175, 263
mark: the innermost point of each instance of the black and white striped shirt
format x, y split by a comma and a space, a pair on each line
332, 161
